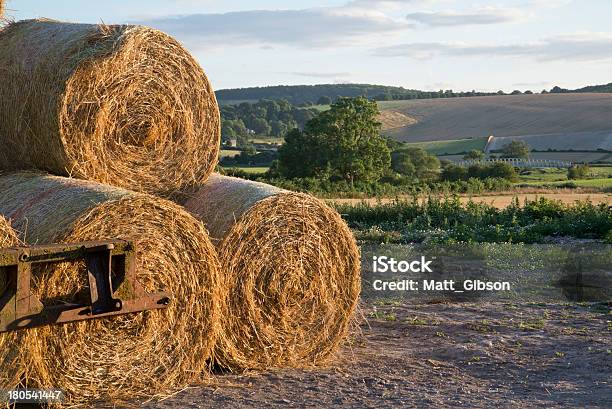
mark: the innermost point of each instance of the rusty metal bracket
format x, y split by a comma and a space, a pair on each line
111, 272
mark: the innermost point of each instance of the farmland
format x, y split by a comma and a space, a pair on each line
498, 201
508, 115
450, 147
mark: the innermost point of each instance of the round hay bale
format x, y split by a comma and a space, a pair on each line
123, 105
10, 373
128, 356
292, 269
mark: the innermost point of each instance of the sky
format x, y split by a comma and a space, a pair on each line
418, 44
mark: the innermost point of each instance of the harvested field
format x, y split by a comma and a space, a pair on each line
292, 269
123, 105
500, 201
507, 115
442, 356
393, 119
587, 141
127, 356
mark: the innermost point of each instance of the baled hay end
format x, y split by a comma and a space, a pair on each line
292, 268
8, 238
122, 105
127, 356
10, 374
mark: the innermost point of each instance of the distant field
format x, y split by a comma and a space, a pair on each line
226, 153
248, 169
591, 141
539, 176
451, 147
267, 139
605, 184
500, 201
321, 108
508, 115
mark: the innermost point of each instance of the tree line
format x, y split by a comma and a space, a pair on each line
324, 94
305, 95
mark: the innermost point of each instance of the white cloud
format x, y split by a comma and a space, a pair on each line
314, 27
449, 18
577, 47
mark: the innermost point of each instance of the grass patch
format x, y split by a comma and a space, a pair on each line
604, 184
228, 153
270, 140
532, 324
383, 315
450, 147
250, 170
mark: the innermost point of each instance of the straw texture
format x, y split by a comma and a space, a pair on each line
8, 238
123, 105
128, 356
9, 342
292, 269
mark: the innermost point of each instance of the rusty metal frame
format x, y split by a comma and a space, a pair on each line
111, 272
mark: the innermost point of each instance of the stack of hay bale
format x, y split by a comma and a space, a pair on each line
100, 127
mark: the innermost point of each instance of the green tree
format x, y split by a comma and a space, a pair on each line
300, 157
343, 142
501, 170
454, 172
416, 163
324, 100
516, 149
474, 154
278, 128
227, 131
580, 171
260, 126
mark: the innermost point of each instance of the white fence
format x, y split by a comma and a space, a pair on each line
521, 163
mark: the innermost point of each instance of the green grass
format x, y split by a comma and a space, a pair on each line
451, 147
598, 178
249, 169
267, 139
599, 183
594, 183
320, 108
601, 171
227, 153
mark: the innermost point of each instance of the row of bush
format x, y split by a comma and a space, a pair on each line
447, 220
388, 186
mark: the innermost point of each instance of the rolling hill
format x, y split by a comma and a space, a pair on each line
581, 117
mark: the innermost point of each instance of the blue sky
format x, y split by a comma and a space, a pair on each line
423, 44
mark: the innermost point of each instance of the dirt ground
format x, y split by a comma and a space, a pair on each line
503, 200
443, 356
